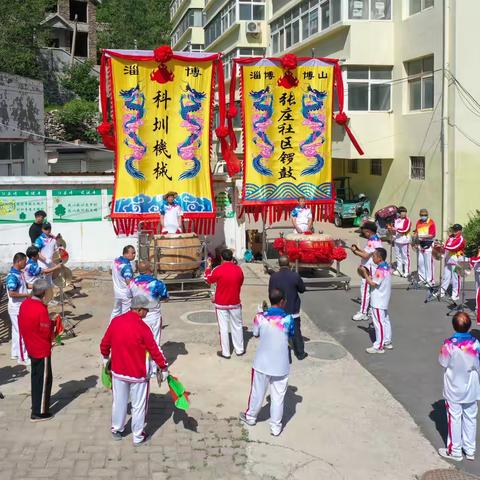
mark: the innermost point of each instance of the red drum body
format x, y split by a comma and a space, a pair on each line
314, 250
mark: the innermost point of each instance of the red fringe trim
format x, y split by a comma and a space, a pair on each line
323, 212
129, 226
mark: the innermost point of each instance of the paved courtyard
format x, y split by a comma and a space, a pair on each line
340, 422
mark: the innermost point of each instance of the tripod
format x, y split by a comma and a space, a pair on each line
417, 283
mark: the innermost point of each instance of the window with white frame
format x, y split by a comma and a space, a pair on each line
239, 52
12, 158
220, 23
376, 166
252, 10
192, 18
416, 6
303, 21
193, 47
369, 88
417, 168
352, 165
369, 9
420, 83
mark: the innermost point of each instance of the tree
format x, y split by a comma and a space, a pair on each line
471, 233
60, 210
79, 80
144, 23
79, 119
21, 34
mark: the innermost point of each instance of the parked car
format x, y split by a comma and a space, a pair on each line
349, 206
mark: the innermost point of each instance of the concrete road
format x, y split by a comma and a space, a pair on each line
411, 371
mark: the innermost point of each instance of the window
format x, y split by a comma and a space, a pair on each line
12, 158
193, 47
78, 9
419, 5
420, 83
369, 9
352, 165
303, 21
192, 18
417, 168
220, 23
239, 52
369, 88
375, 166
252, 10
81, 44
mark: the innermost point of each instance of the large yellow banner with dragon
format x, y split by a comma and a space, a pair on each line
287, 127
162, 135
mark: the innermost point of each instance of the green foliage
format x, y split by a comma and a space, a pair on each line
145, 22
79, 80
471, 232
21, 34
79, 119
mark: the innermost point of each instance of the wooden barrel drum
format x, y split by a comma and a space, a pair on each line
314, 250
176, 252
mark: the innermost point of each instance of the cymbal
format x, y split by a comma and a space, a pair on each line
60, 254
63, 278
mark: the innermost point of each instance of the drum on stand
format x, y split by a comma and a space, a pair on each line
176, 252
310, 246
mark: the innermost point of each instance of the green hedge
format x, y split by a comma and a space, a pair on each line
471, 232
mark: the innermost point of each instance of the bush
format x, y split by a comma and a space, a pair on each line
79, 119
79, 80
471, 232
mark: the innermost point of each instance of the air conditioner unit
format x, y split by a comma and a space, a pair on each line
254, 27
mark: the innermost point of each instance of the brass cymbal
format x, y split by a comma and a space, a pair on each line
63, 278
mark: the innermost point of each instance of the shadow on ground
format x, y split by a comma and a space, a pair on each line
71, 390
439, 416
172, 350
289, 409
10, 374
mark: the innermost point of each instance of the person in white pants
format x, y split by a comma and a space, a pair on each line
381, 283
369, 231
402, 227
129, 343
454, 247
228, 278
459, 356
271, 365
122, 275
424, 233
156, 291
17, 291
475, 264
47, 246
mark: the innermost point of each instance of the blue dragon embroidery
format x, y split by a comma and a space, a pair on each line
134, 105
263, 104
191, 102
312, 102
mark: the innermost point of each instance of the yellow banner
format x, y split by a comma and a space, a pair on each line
287, 134
162, 133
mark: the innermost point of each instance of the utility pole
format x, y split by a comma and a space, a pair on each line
446, 181
74, 40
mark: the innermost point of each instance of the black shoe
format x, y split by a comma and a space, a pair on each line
117, 436
302, 356
42, 417
221, 355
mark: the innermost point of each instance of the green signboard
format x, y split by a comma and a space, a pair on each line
82, 205
19, 206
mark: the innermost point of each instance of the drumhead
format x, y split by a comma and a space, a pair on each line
314, 237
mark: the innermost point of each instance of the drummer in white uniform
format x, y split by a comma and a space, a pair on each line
171, 214
302, 218
47, 245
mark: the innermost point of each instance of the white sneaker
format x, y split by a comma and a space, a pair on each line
27, 362
397, 273
243, 418
275, 433
388, 346
374, 350
406, 275
359, 316
443, 452
455, 299
470, 457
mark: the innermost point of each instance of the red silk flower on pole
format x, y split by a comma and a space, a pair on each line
162, 74
105, 129
289, 63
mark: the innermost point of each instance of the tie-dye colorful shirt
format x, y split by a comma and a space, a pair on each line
302, 217
32, 271
459, 356
122, 272
372, 243
171, 216
15, 282
274, 327
380, 295
155, 290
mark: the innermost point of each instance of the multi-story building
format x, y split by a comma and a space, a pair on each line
410, 88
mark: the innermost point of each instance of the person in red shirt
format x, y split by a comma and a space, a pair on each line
129, 344
36, 329
454, 249
229, 280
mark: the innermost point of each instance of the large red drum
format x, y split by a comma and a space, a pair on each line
314, 250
